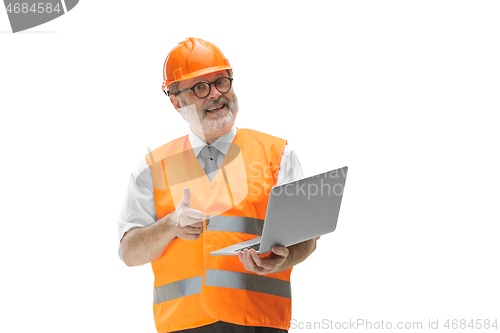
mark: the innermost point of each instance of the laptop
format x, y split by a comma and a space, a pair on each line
297, 211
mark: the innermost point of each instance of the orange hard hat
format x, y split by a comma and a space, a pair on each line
191, 58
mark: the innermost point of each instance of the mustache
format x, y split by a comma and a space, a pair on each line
211, 104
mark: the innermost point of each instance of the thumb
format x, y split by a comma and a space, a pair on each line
186, 197
280, 250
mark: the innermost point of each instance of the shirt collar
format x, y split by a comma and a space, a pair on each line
222, 144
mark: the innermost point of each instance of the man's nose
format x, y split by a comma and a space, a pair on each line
214, 93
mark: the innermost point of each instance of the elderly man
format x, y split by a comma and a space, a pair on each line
203, 192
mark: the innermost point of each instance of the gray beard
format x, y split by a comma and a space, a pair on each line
213, 127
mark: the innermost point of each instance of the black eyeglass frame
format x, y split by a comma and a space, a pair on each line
209, 87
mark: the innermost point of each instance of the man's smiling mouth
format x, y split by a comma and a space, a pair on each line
216, 108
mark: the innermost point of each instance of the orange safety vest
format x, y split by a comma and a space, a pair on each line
193, 288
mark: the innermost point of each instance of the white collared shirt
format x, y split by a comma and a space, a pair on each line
139, 208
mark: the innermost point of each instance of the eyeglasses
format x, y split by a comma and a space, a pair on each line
202, 89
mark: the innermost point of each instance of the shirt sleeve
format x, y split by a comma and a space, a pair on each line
139, 208
290, 169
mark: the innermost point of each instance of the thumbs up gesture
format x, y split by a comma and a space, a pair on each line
187, 223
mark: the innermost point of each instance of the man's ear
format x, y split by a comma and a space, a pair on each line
175, 102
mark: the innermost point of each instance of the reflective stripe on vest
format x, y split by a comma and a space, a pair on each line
246, 281
247, 225
224, 279
177, 289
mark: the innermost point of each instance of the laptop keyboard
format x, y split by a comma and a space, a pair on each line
256, 247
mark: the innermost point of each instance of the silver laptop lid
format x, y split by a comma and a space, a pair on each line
303, 209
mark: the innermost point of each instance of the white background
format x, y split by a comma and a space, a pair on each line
406, 93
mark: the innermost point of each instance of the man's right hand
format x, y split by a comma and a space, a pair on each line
185, 222
142, 245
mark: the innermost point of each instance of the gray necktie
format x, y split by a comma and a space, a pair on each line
209, 154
